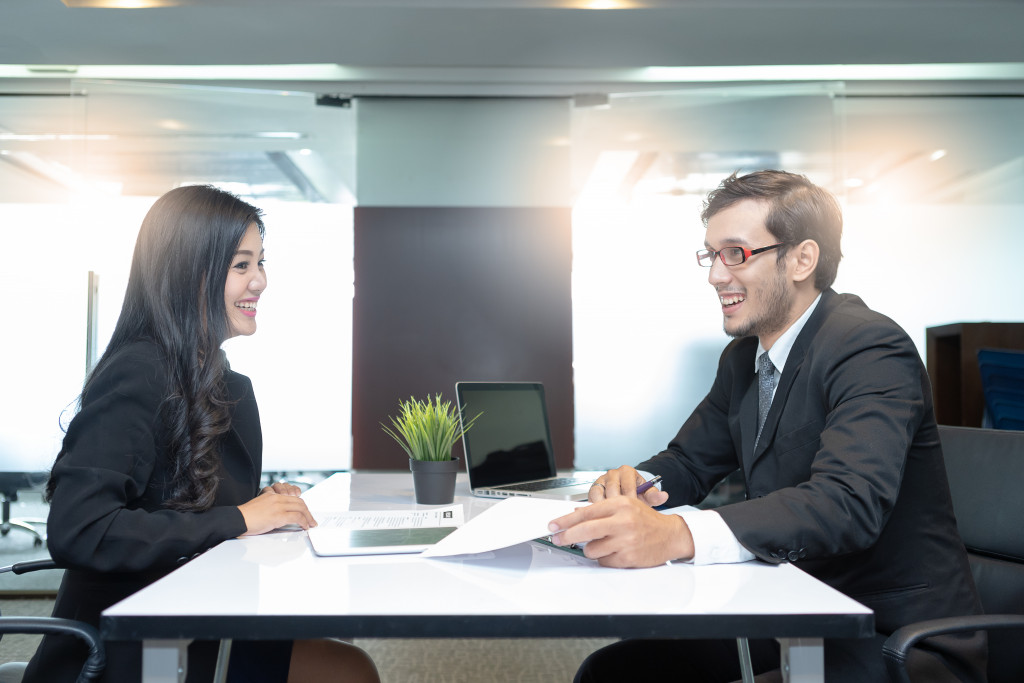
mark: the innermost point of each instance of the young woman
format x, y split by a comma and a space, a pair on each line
163, 459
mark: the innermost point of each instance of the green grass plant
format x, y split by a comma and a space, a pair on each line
427, 430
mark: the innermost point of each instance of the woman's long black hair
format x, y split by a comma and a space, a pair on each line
175, 299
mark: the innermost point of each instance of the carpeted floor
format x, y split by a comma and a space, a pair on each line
471, 661
16, 647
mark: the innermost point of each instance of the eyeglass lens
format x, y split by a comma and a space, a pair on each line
731, 256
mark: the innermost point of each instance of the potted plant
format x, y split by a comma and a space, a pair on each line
426, 431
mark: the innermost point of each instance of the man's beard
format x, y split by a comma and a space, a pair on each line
776, 301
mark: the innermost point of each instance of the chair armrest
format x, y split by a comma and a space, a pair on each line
897, 646
94, 662
33, 565
29, 566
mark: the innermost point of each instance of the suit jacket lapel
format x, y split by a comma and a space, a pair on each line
245, 429
793, 364
748, 424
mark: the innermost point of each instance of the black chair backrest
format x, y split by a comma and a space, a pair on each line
96, 659
986, 478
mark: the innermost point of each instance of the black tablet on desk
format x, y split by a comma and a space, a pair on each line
333, 542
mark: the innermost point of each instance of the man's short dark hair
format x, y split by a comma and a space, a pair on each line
798, 210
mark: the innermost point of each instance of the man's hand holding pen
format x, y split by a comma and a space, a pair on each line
626, 481
622, 529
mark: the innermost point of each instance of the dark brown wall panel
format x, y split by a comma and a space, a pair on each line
952, 352
448, 294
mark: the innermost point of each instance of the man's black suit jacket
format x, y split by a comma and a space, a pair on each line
847, 480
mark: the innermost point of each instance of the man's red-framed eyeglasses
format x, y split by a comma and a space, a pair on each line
731, 256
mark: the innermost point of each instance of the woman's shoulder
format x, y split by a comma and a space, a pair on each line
141, 364
238, 385
144, 350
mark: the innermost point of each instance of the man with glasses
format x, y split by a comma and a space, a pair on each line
825, 408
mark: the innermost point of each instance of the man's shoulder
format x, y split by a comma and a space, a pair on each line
845, 324
847, 311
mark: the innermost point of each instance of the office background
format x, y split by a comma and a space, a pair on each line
491, 190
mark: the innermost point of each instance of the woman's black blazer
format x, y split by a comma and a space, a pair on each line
107, 522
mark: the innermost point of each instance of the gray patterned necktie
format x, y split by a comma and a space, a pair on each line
765, 384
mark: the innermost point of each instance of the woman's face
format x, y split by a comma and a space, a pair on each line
246, 281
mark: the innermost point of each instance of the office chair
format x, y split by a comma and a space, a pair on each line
1002, 383
986, 478
10, 484
12, 672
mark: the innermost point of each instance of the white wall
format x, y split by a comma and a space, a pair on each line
299, 360
927, 265
649, 330
50, 250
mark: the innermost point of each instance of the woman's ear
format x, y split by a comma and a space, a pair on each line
805, 260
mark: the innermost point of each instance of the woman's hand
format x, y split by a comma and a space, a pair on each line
275, 507
284, 488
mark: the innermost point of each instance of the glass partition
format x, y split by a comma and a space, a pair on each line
935, 211
80, 171
927, 183
930, 187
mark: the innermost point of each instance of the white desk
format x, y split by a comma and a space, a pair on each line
274, 587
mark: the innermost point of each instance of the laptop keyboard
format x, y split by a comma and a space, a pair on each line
545, 484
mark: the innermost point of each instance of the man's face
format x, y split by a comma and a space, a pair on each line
756, 296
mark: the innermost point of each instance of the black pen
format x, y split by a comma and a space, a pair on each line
642, 488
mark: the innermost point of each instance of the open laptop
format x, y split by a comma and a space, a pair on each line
508, 449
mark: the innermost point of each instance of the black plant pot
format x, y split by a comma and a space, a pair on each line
434, 480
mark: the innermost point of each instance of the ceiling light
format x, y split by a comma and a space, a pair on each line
170, 124
280, 135
121, 4
47, 137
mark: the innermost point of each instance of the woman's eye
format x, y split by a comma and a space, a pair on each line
241, 265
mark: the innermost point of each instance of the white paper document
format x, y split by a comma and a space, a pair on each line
507, 523
451, 515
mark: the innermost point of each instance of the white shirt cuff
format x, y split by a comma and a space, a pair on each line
713, 540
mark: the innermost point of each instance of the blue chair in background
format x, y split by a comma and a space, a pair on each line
1002, 382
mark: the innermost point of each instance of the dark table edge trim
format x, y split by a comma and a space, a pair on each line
488, 626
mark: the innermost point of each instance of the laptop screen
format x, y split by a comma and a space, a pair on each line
510, 442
